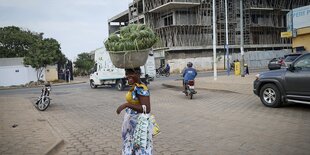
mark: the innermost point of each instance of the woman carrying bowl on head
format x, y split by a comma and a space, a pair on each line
137, 98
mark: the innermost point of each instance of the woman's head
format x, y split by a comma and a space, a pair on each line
133, 75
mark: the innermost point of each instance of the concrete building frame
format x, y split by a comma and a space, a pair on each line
185, 26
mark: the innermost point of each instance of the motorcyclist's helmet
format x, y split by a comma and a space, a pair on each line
189, 64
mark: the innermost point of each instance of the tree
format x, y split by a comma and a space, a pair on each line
15, 42
37, 52
84, 63
42, 53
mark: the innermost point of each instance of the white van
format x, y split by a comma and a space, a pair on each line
105, 73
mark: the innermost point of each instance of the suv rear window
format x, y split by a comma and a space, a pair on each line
274, 60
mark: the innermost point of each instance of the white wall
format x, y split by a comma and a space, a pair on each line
17, 75
200, 64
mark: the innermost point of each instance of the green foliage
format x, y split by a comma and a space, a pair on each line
62, 60
37, 52
84, 63
43, 53
15, 42
132, 37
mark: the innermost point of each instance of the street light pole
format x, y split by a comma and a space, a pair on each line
241, 39
292, 24
226, 46
214, 42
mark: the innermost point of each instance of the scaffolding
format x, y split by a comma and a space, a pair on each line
189, 22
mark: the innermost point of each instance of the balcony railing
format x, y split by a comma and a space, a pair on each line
160, 5
186, 35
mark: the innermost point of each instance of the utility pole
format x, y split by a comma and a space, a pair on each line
292, 25
242, 39
226, 46
214, 43
137, 6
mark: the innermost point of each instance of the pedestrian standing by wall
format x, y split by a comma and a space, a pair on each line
246, 67
67, 75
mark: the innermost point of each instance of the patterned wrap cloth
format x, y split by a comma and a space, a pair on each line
130, 122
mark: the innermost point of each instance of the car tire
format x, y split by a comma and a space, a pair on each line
92, 84
270, 95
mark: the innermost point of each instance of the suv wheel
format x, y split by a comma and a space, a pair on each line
270, 96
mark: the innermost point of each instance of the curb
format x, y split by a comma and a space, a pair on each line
69, 83
59, 142
39, 86
55, 147
181, 88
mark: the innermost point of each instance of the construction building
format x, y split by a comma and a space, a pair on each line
185, 27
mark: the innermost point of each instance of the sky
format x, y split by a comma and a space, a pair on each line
78, 25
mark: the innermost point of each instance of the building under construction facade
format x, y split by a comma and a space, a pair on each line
186, 32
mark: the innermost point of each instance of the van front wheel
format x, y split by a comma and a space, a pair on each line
92, 84
120, 85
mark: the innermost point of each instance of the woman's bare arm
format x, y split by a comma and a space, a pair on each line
144, 100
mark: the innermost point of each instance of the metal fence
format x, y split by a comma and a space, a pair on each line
259, 59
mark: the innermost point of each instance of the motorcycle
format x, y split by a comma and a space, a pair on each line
162, 72
190, 89
44, 100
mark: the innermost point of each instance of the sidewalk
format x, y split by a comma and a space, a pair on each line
23, 130
232, 83
76, 80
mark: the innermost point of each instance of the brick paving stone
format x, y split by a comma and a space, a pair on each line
86, 153
83, 149
62, 153
73, 153
101, 153
214, 122
95, 149
30, 136
166, 153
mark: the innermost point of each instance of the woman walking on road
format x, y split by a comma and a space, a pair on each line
137, 98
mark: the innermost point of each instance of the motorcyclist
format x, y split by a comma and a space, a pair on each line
167, 69
189, 74
160, 69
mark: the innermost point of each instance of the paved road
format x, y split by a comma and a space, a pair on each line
214, 122
202, 74
178, 76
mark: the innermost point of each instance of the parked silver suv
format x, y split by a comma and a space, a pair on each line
288, 59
